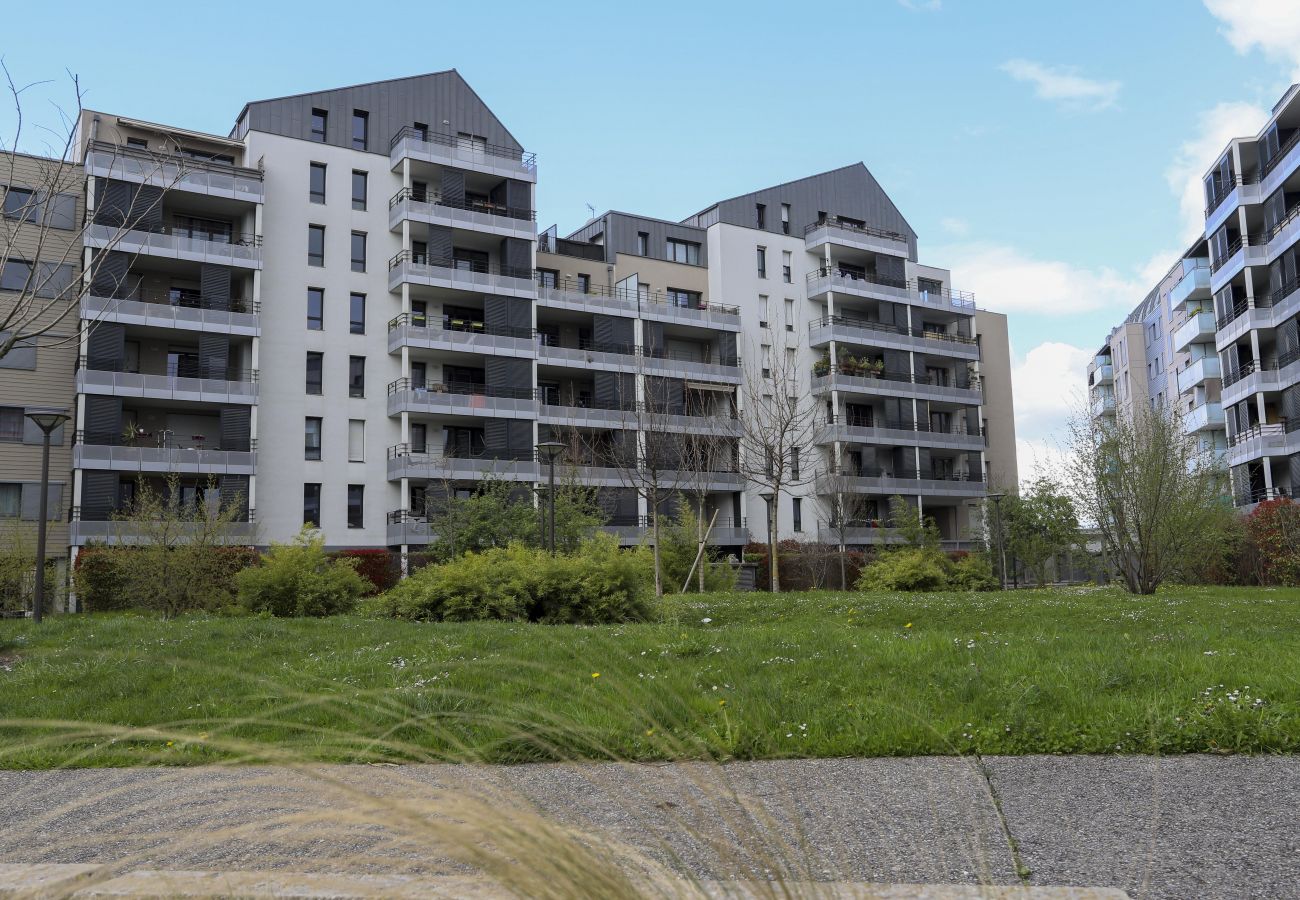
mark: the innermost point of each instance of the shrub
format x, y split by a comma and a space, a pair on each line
678, 545
910, 569
972, 572
598, 584
98, 578
1274, 530
381, 568
300, 579
170, 580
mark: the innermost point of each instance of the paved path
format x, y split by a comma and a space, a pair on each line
1178, 828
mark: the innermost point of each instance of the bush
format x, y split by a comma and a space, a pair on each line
170, 580
300, 579
912, 569
678, 544
1274, 531
972, 572
381, 568
98, 577
598, 584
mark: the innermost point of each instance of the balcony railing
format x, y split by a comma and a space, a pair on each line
161, 441
461, 265
1260, 495
867, 325
171, 241
865, 230
1232, 376
548, 243
172, 369
941, 297
1272, 162
957, 427
459, 326
464, 145
476, 206
1257, 432
463, 388
964, 384
182, 300
640, 299
1223, 189
175, 171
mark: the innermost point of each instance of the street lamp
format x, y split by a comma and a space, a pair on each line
549, 450
1002, 553
47, 418
773, 578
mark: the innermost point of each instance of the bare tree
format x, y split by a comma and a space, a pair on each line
847, 507
41, 233
777, 426
1152, 493
702, 456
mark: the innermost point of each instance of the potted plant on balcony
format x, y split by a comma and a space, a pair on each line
874, 367
822, 366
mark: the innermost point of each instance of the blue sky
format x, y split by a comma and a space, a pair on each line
1040, 150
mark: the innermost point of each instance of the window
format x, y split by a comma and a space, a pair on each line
643, 243
584, 283
357, 314
419, 437
785, 218
360, 129
11, 424
794, 463
315, 309
11, 500
356, 376
785, 266
315, 245
789, 314
356, 440
358, 189
319, 118
767, 360
317, 185
358, 251
356, 505
684, 299
683, 252
421, 131
763, 311
315, 368
796, 508
760, 215
139, 143
762, 262
311, 438
311, 505
547, 278
19, 204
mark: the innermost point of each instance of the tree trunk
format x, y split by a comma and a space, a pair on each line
844, 577
654, 527
699, 528
773, 565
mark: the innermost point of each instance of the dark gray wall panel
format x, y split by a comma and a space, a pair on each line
215, 286
106, 346
236, 428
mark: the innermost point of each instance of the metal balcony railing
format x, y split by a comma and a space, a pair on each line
479, 206
971, 384
956, 427
1222, 190
186, 300
959, 299
469, 388
460, 326
75, 515
837, 222
461, 265
405, 450
1254, 432
456, 142
634, 298
1232, 376
160, 440
172, 369
867, 325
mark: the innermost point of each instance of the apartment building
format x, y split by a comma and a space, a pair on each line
40, 200
343, 310
1162, 356
1251, 226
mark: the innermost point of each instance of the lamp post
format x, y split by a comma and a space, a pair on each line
772, 577
47, 418
1002, 553
549, 450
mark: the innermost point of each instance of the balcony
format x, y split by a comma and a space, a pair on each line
1193, 285
461, 336
408, 527
630, 415
105, 451
1103, 406
1103, 374
679, 363
1271, 439
891, 384
1206, 417
490, 218
1251, 496
1199, 328
1242, 252
1251, 378
874, 481
1217, 211
172, 242
1199, 372
461, 153
892, 337
898, 434
625, 357
460, 275
847, 233
166, 309
859, 531
659, 306
173, 172
183, 382
825, 279
404, 462
120, 531
460, 399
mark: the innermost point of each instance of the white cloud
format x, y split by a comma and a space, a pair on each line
1008, 280
1048, 390
1271, 25
1214, 128
1063, 84
955, 226
1040, 459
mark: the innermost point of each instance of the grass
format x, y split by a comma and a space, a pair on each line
721, 676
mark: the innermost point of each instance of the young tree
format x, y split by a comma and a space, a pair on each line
847, 508
777, 426
703, 455
41, 235
496, 515
1039, 524
1148, 488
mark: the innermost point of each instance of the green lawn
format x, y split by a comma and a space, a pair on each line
722, 676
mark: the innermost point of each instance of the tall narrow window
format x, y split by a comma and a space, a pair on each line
760, 215
311, 438
422, 131
315, 371
796, 509
794, 463
762, 262
360, 129
785, 266
763, 311
356, 440
358, 189
785, 218
356, 376
356, 505
315, 309
315, 245
316, 188
789, 314
358, 251
311, 505
643, 243
357, 314
319, 118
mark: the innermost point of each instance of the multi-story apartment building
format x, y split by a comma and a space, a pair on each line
1252, 225
1162, 356
343, 308
41, 207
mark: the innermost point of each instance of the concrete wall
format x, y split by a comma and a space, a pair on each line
999, 407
